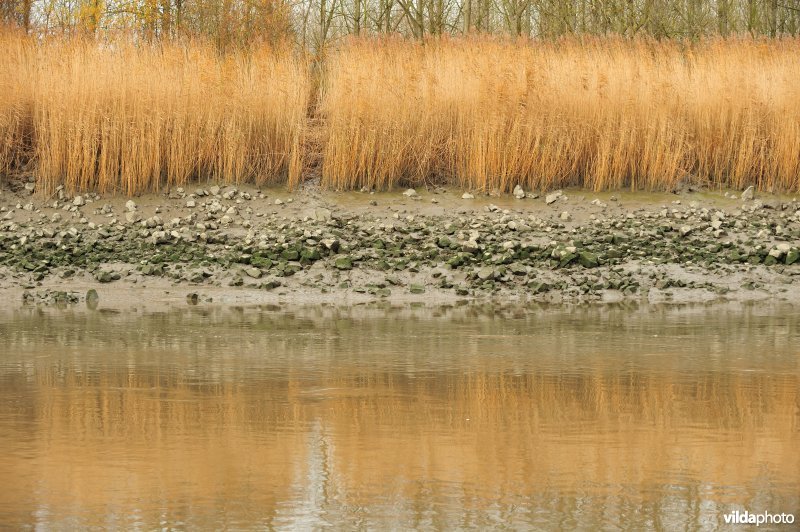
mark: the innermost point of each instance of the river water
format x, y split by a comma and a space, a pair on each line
375, 417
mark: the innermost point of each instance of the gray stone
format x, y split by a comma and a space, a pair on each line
749, 193
255, 273
486, 273
467, 195
343, 263
553, 197
410, 193
518, 192
79, 201
588, 259
780, 250
331, 244
322, 214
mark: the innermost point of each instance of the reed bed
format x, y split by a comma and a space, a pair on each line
482, 113
602, 113
125, 118
15, 102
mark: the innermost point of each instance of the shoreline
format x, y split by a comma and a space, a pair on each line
247, 245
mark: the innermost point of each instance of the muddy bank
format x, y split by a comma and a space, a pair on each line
249, 245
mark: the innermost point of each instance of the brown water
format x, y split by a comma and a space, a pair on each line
464, 417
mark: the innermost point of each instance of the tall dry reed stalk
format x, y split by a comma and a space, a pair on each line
16, 111
482, 113
602, 113
120, 117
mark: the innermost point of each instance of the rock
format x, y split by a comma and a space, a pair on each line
749, 193
91, 296
130, 206
331, 244
486, 273
553, 197
290, 254
780, 250
278, 202
565, 216
322, 214
132, 217
192, 298
160, 237
588, 259
792, 256
270, 285
685, 230
470, 246
517, 269
79, 201
467, 195
214, 190
518, 192
343, 263
191, 204
416, 288
30, 187
103, 276
410, 193
253, 272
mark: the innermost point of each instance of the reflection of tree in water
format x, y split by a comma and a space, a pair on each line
346, 417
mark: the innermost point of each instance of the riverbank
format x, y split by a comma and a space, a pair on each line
245, 245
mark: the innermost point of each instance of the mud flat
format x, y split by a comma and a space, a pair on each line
258, 245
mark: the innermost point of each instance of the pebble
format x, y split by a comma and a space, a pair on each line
553, 197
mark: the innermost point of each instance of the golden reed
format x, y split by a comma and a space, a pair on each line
479, 113
601, 113
119, 117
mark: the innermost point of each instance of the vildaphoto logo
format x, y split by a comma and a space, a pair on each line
764, 518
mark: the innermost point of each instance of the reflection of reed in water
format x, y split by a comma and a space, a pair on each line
178, 445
